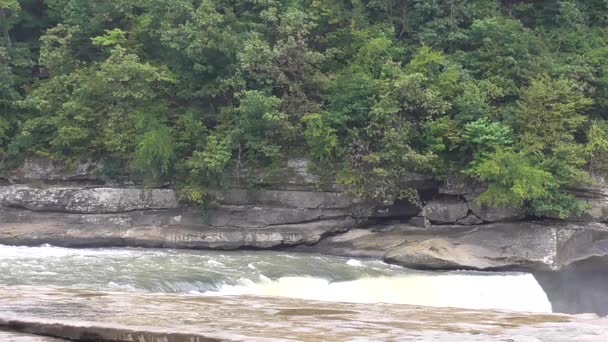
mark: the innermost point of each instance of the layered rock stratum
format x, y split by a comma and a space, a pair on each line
46, 202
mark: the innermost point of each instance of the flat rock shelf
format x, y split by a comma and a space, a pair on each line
10, 336
83, 315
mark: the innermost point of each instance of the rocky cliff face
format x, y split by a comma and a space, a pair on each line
75, 207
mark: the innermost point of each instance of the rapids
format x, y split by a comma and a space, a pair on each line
264, 273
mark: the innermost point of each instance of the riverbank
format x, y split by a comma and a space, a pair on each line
528, 246
42, 201
75, 207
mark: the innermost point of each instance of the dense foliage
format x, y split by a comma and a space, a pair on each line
511, 92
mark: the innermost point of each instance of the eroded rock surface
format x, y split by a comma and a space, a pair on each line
110, 316
174, 236
548, 245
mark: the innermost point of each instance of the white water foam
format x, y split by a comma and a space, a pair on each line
48, 251
519, 292
302, 276
354, 263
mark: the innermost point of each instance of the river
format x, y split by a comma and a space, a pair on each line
264, 273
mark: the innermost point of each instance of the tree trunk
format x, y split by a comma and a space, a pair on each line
7, 37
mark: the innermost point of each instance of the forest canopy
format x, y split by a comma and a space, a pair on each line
512, 93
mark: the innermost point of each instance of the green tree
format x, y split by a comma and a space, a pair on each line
483, 137
513, 179
549, 114
261, 129
503, 51
597, 148
112, 107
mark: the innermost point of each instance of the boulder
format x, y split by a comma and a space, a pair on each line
594, 195
494, 214
86, 200
445, 210
470, 189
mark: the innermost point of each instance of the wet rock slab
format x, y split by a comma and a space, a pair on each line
10, 336
107, 316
